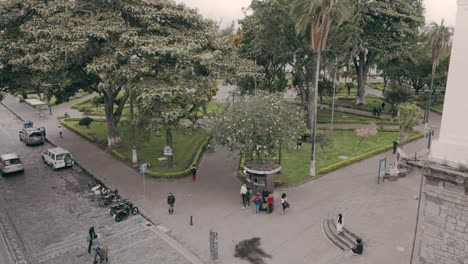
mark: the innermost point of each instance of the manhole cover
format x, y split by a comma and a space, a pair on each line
400, 249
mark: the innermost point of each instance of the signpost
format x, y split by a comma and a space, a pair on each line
143, 170
382, 165
168, 152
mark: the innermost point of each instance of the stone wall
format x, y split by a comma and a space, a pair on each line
445, 220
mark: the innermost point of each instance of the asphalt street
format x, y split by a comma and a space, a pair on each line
45, 214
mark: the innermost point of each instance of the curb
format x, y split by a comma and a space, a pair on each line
172, 241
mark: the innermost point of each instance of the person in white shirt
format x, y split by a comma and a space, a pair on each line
339, 224
243, 192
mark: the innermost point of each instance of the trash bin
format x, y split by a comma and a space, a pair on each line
28, 124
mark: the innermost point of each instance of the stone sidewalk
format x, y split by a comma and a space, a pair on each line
382, 214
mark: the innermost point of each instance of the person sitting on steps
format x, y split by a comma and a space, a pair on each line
359, 247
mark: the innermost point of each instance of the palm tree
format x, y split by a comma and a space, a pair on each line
438, 40
315, 17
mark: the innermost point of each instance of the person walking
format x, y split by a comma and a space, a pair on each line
257, 200
270, 200
90, 238
383, 105
60, 130
284, 203
395, 145
171, 202
359, 247
248, 194
243, 192
339, 224
194, 172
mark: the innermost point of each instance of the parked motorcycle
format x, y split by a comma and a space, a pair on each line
120, 205
124, 212
109, 198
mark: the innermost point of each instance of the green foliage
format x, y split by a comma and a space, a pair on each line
257, 125
325, 139
112, 47
85, 121
409, 116
363, 156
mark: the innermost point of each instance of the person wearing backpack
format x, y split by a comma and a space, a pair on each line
284, 203
258, 201
171, 202
248, 195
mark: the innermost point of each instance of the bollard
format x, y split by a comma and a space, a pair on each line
134, 156
191, 220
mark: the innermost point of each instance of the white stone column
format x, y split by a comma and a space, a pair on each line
452, 146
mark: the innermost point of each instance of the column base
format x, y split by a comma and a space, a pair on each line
453, 154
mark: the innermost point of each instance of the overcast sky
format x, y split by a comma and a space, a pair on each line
230, 10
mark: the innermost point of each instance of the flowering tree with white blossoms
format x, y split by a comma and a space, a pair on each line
365, 132
258, 125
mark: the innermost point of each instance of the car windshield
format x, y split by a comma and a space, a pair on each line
62, 156
36, 134
12, 162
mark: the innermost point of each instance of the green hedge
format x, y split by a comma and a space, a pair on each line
364, 155
80, 105
435, 110
65, 123
118, 155
185, 172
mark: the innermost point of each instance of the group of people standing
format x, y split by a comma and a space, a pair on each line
264, 201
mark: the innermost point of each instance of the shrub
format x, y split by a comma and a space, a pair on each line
85, 121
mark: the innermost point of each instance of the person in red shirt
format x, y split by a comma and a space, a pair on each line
270, 200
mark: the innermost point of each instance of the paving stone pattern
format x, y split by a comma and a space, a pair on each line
45, 215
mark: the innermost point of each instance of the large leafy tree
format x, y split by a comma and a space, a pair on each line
267, 36
258, 125
438, 38
114, 45
388, 27
315, 18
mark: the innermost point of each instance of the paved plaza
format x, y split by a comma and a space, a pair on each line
45, 215
382, 214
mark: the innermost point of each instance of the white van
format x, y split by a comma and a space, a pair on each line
58, 158
10, 163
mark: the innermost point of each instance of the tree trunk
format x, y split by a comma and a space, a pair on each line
385, 85
132, 113
112, 137
309, 106
314, 114
118, 112
333, 100
429, 96
361, 70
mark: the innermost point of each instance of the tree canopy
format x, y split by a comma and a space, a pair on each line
109, 47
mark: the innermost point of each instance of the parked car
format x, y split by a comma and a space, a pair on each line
58, 158
10, 163
32, 136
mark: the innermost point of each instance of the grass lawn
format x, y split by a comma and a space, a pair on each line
149, 146
378, 86
438, 108
324, 116
371, 103
295, 163
211, 108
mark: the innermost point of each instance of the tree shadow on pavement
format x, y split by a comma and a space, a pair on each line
250, 250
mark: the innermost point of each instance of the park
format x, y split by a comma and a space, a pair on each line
302, 98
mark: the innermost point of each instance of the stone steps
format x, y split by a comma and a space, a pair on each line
344, 241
